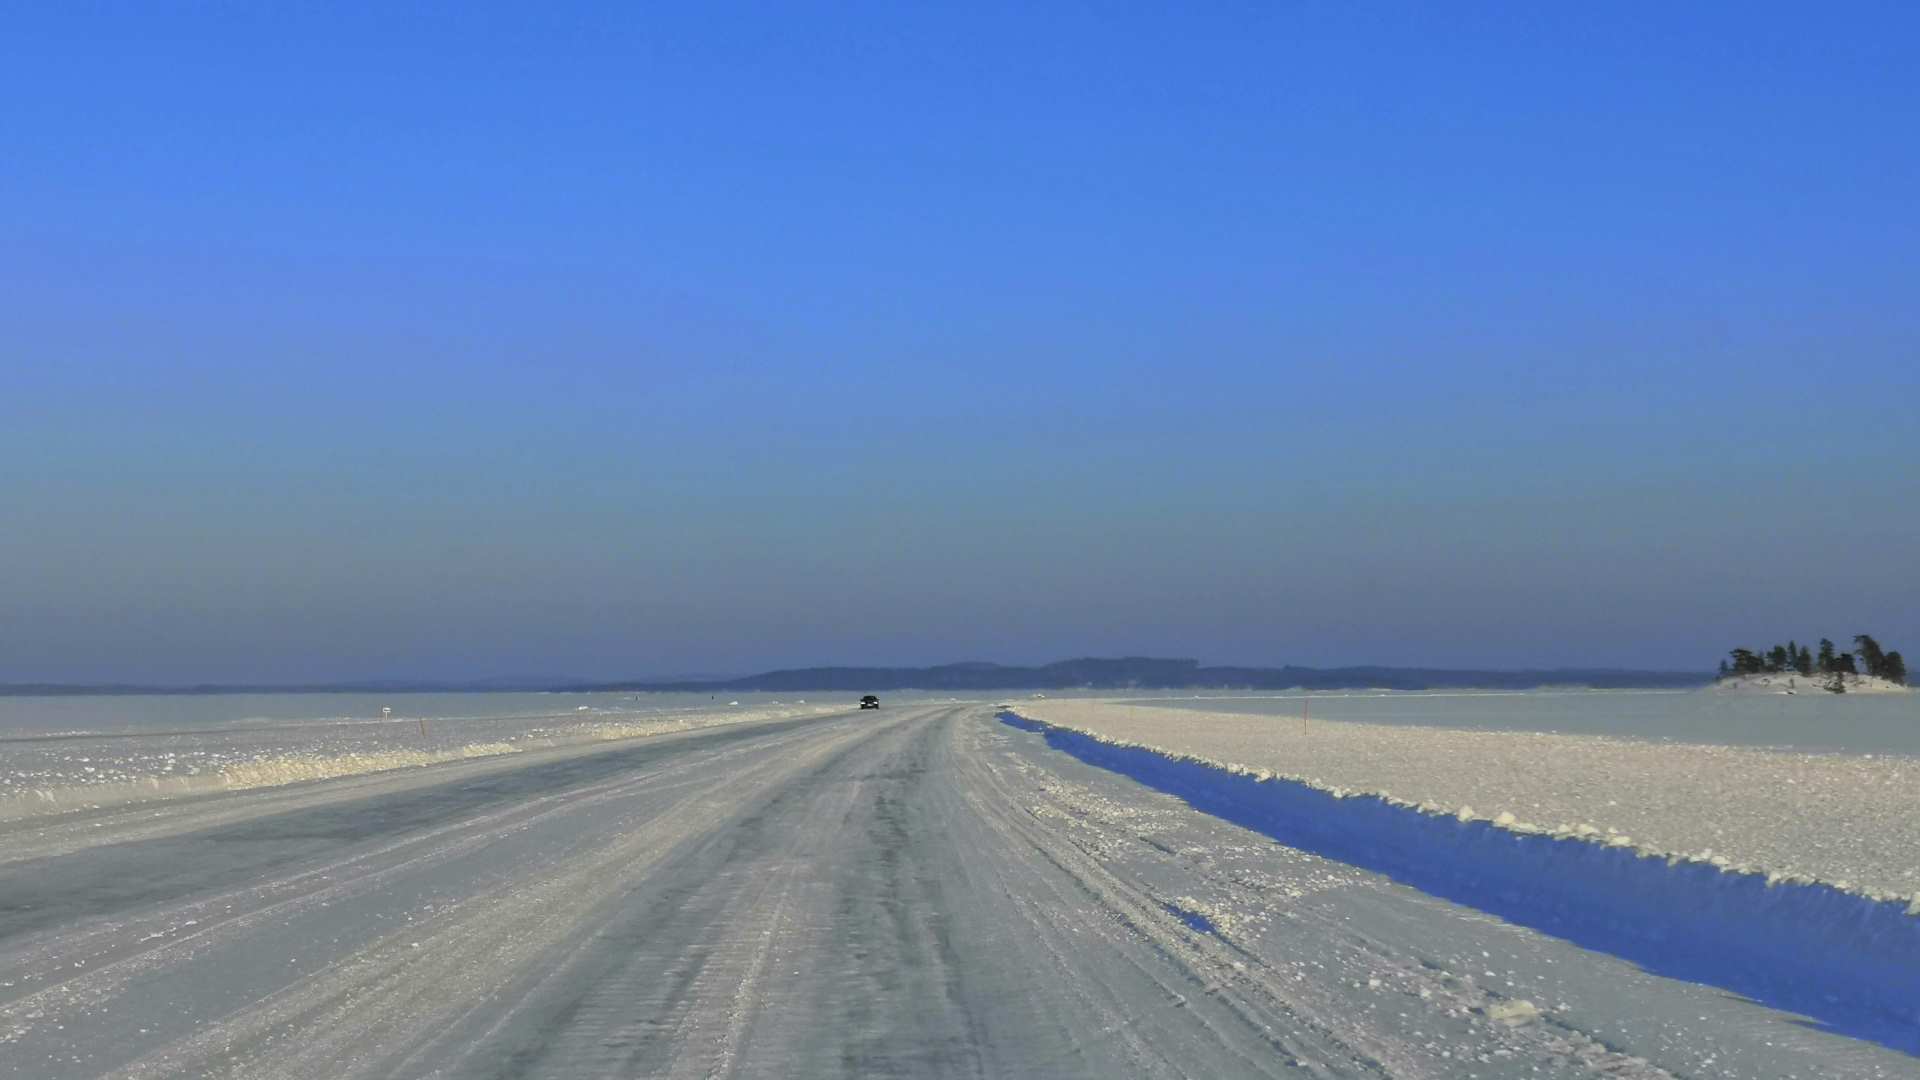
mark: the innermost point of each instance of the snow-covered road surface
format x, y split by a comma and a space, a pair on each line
918, 892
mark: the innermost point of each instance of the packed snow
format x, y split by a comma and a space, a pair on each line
1849, 820
928, 891
1846, 960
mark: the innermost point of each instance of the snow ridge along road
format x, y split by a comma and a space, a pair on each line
1845, 960
919, 892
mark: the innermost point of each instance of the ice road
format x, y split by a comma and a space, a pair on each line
922, 891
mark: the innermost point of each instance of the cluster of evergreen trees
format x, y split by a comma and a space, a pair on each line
1794, 656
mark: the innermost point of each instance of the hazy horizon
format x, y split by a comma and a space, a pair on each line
561, 681
350, 345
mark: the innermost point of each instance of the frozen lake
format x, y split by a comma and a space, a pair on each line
60, 751
57, 752
920, 892
156, 714
1857, 723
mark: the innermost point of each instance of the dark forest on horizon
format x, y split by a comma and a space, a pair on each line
1868, 658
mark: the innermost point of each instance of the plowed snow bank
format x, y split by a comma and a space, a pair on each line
1848, 820
1847, 960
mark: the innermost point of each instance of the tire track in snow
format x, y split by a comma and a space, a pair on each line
922, 893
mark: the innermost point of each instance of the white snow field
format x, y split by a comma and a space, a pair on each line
1782, 874
1850, 820
925, 891
126, 760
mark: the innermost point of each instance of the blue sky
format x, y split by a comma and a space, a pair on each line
457, 340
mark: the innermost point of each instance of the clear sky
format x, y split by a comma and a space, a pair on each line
482, 338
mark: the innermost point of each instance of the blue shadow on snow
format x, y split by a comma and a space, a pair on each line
1850, 963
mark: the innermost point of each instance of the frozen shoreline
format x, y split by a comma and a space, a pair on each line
1850, 821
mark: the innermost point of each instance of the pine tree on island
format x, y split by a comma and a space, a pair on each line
1868, 658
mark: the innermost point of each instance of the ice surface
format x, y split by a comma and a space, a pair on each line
1860, 723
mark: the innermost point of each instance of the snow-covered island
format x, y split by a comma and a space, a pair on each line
1795, 669
1792, 682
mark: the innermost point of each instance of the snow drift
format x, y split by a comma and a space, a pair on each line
115, 771
1849, 961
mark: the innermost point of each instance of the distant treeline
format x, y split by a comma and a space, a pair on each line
1156, 673
1793, 656
1120, 673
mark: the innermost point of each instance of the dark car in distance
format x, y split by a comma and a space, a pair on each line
869, 702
